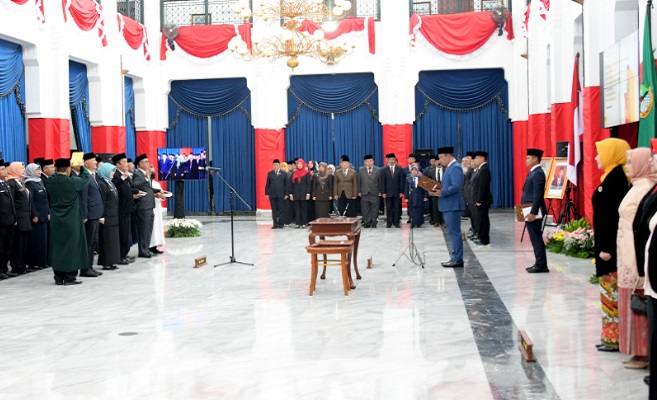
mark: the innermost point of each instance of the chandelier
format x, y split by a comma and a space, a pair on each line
292, 43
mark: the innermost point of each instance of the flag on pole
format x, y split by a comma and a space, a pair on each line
647, 123
574, 153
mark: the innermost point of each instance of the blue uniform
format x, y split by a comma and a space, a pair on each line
452, 205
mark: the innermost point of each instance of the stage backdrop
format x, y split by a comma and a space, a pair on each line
130, 131
332, 115
12, 108
467, 109
227, 102
78, 101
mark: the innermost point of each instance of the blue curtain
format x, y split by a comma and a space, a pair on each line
130, 135
468, 110
78, 101
332, 115
227, 102
12, 109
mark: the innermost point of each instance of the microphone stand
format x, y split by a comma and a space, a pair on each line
413, 253
233, 193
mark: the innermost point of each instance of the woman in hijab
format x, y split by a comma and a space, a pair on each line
607, 198
633, 327
312, 171
109, 244
15, 173
300, 193
322, 191
40, 213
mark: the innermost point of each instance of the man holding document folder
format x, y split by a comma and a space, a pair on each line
532, 193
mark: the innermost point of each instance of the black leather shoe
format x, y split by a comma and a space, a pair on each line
110, 268
536, 269
3, 277
94, 270
11, 274
397, 226
607, 349
646, 379
453, 264
388, 225
274, 227
144, 256
69, 283
156, 251
445, 263
88, 274
124, 261
59, 282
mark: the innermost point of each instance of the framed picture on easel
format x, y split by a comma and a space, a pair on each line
557, 180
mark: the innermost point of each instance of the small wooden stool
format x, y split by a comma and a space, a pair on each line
343, 249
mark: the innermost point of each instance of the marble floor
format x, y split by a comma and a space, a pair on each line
159, 329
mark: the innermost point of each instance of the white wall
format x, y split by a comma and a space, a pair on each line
396, 65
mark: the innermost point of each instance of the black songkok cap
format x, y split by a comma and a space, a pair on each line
535, 152
118, 157
140, 158
445, 150
368, 157
62, 163
88, 156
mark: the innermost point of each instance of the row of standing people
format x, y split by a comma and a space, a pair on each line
298, 192
625, 247
55, 214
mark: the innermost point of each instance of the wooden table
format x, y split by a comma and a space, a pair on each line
349, 227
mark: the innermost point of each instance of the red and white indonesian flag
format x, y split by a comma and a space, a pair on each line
574, 153
525, 22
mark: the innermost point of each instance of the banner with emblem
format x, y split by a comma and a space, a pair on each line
647, 123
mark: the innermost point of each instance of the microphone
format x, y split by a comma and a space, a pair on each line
213, 169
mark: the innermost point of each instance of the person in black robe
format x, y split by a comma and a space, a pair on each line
7, 222
40, 213
126, 205
109, 251
15, 173
300, 193
322, 191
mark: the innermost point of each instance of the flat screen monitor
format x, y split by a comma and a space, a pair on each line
186, 163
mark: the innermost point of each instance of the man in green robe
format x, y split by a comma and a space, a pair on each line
68, 243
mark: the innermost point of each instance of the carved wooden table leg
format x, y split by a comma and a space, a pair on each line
356, 239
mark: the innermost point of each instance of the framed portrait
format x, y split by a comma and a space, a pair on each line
201, 19
557, 180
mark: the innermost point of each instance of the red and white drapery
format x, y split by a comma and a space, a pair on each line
205, 41
345, 26
134, 34
38, 6
457, 34
87, 14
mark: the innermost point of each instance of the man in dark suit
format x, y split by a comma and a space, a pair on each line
407, 171
469, 170
141, 180
369, 190
92, 212
392, 187
126, 204
532, 193
276, 190
7, 222
482, 198
345, 187
47, 168
452, 204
